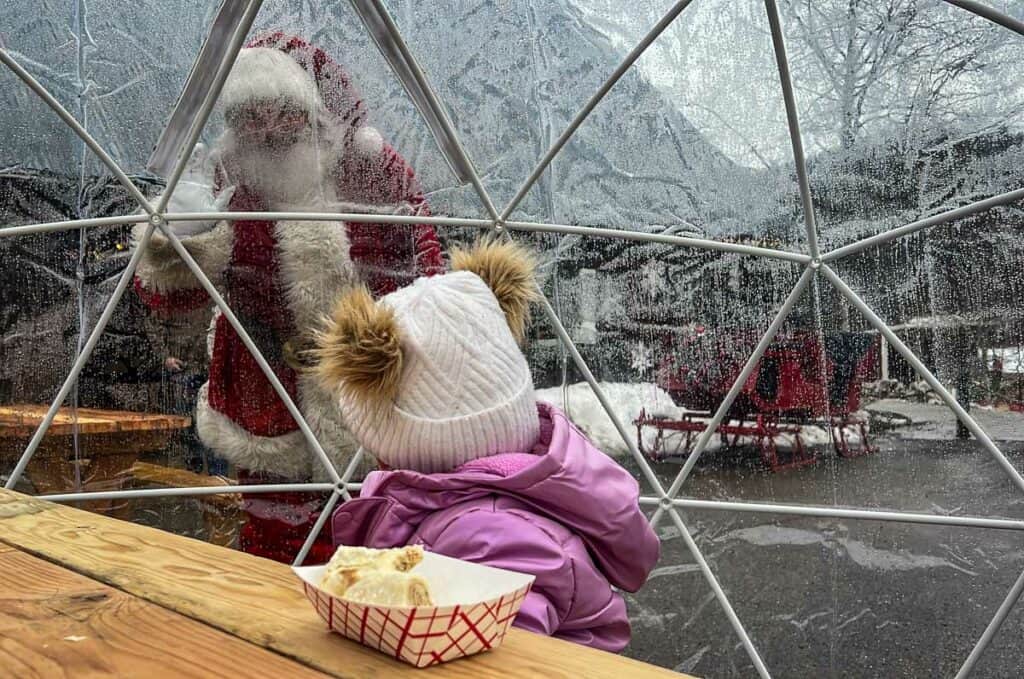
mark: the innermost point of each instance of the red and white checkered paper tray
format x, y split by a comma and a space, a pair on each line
475, 606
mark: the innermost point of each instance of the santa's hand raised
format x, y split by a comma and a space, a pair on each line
194, 193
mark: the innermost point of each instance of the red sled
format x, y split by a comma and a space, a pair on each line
799, 382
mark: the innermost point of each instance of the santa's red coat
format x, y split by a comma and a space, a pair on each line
262, 269
386, 256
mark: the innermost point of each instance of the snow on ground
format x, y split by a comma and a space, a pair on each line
627, 400
938, 423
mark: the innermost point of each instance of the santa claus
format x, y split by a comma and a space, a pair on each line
295, 140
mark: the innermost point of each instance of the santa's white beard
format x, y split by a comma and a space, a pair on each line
294, 177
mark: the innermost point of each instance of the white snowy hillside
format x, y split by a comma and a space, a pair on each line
512, 75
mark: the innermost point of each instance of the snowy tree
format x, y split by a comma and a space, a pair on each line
897, 66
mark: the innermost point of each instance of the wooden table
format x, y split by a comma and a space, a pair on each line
109, 442
84, 595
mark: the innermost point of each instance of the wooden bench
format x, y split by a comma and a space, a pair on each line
84, 594
222, 513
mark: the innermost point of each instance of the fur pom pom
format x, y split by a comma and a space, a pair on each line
359, 351
368, 142
508, 270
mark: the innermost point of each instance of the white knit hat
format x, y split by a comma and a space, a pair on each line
432, 375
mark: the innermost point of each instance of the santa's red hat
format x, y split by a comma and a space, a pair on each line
276, 67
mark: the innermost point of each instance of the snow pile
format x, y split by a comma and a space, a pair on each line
627, 400
917, 392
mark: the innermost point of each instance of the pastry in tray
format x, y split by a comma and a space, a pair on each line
397, 559
389, 588
377, 576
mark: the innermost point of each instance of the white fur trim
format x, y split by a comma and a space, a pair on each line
315, 268
161, 270
286, 455
368, 142
296, 178
266, 74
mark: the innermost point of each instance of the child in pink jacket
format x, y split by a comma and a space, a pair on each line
433, 383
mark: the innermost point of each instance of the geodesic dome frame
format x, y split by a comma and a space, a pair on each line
667, 501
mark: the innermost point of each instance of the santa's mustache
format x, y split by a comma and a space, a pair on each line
301, 176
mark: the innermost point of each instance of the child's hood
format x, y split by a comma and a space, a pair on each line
564, 478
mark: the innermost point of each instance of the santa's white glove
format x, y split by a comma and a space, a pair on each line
194, 193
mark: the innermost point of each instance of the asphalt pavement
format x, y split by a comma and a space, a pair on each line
840, 598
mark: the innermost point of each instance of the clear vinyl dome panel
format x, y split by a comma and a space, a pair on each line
951, 295
384, 101
675, 145
117, 68
911, 87
118, 72
926, 122
907, 110
824, 597
653, 155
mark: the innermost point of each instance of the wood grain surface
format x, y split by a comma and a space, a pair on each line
56, 624
21, 420
108, 443
260, 600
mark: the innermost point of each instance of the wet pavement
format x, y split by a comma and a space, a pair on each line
841, 598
